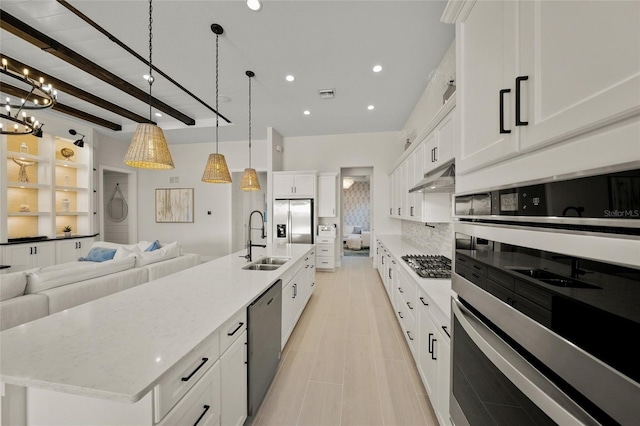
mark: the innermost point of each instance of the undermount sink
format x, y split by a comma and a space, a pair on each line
273, 260
260, 267
552, 279
267, 264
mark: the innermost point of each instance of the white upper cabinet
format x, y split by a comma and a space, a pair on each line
485, 69
534, 73
294, 184
327, 195
582, 61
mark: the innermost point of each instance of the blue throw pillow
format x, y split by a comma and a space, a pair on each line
98, 254
154, 246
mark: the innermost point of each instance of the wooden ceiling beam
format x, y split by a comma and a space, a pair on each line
46, 43
65, 109
76, 91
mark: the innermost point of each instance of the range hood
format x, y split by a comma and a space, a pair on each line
441, 179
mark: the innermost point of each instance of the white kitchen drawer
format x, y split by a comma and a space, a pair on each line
324, 250
184, 375
325, 262
325, 240
201, 404
232, 328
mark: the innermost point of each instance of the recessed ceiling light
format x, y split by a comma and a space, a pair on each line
377, 68
307, 112
290, 78
254, 5
370, 107
158, 114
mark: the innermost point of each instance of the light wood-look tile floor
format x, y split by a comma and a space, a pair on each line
346, 362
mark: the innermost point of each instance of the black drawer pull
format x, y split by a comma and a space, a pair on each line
409, 334
409, 305
502, 93
444, 328
400, 290
519, 80
430, 347
477, 267
206, 408
433, 352
423, 302
236, 330
400, 314
476, 275
186, 379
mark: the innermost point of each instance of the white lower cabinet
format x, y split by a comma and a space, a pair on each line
433, 359
202, 406
72, 249
30, 255
295, 295
325, 253
233, 383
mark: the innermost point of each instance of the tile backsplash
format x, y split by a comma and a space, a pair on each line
438, 240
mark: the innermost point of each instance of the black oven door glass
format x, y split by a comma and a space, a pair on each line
486, 396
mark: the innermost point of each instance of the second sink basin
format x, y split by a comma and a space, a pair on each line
273, 260
260, 267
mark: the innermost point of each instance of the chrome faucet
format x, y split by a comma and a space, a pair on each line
263, 235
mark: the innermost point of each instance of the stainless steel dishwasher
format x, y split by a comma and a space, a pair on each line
264, 318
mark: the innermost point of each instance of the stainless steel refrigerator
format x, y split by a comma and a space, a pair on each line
293, 221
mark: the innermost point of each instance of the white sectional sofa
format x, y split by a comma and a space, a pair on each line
28, 295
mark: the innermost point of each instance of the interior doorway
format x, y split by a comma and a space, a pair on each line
243, 203
356, 210
117, 206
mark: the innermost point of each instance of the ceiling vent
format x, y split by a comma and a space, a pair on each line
327, 93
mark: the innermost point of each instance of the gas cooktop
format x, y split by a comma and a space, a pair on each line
429, 266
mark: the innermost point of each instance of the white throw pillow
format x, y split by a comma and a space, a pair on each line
168, 251
13, 284
47, 278
347, 229
123, 251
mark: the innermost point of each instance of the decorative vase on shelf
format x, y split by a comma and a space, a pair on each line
67, 231
24, 148
65, 205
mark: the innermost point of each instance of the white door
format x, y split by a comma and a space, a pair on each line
582, 60
486, 44
233, 383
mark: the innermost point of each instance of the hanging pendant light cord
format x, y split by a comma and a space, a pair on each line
249, 122
217, 116
150, 54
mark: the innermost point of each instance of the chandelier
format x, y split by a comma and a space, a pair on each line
14, 119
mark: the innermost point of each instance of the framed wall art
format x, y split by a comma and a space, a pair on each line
174, 205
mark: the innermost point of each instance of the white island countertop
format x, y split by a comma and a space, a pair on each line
119, 346
438, 289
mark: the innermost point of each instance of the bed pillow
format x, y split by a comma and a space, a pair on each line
98, 254
154, 246
357, 230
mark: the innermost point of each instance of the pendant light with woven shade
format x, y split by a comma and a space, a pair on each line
216, 170
250, 177
149, 148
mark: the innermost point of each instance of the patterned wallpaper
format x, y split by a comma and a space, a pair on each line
438, 240
355, 203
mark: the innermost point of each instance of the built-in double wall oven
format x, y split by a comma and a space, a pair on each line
546, 306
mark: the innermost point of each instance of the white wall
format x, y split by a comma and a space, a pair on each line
330, 153
208, 235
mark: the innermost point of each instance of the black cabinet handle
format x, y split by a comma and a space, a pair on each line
390, 273
393, 261
433, 352
35, 250
206, 408
391, 211
400, 290
409, 334
400, 314
423, 302
502, 92
409, 305
186, 379
519, 80
236, 330
430, 346
377, 250
444, 328
30, 251
295, 290
383, 260
435, 154
399, 211
477, 267
411, 211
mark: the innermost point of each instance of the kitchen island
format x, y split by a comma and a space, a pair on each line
111, 355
